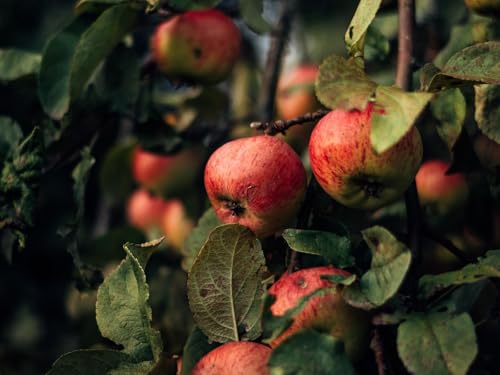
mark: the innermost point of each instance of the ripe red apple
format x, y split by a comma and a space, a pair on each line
258, 182
144, 211
349, 170
165, 174
175, 223
328, 313
235, 358
198, 45
484, 7
444, 194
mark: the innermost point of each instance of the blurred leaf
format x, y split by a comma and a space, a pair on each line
310, 352
122, 311
449, 108
80, 175
15, 64
343, 84
356, 31
399, 112
10, 135
198, 237
71, 57
251, 12
487, 110
226, 277
463, 157
437, 343
90, 6
377, 46
196, 347
488, 266
88, 362
193, 4
335, 249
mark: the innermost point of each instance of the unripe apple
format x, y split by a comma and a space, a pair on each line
349, 170
235, 358
442, 193
258, 182
327, 313
484, 7
197, 45
144, 211
165, 174
175, 223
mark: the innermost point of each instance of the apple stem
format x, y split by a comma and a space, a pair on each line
280, 126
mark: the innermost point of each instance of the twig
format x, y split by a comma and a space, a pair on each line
448, 245
280, 126
378, 351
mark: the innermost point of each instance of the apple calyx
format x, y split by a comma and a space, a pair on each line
234, 206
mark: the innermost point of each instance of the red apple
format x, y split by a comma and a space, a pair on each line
235, 358
349, 170
165, 174
327, 313
144, 210
175, 223
258, 182
199, 45
443, 193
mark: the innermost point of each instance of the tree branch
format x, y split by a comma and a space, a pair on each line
448, 245
280, 126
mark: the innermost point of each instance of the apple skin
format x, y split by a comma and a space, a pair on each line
347, 168
175, 223
235, 358
165, 174
327, 313
443, 193
484, 7
197, 45
144, 211
258, 182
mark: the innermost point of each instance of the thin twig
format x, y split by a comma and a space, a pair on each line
378, 351
280, 126
448, 245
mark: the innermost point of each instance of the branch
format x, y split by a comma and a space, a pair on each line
280, 126
448, 245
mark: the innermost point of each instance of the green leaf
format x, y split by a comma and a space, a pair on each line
197, 345
449, 108
198, 237
377, 46
400, 111
193, 4
15, 64
88, 362
72, 56
335, 249
488, 266
343, 84
251, 12
310, 352
487, 110
226, 277
437, 343
356, 31
80, 175
98, 6
10, 135
122, 311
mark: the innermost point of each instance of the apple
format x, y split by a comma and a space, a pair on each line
442, 193
349, 170
235, 358
175, 223
144, 210
258, 182
484, 7
197, 45
327, 313
165, 174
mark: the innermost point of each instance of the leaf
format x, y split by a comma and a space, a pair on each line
193, 4
80, 175
487, 110
449, 108
377, 46
356, 31
310, 352
343, 84
399, 112
88, 362
90, 6
72, 56
122, 311
197, 345
15, 64
335, 249
437, 343
225, 285
251, 13
10, 135
198, 237
488, 266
